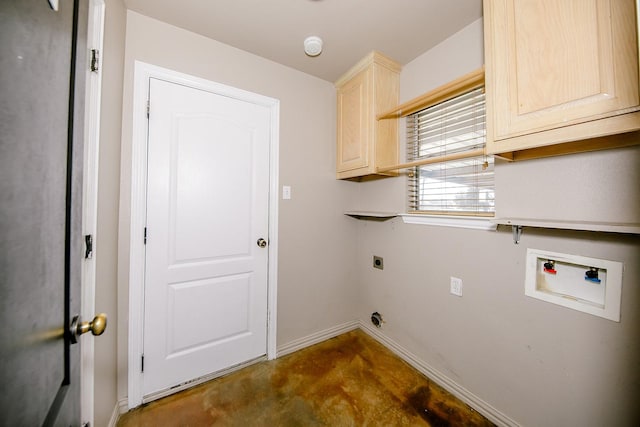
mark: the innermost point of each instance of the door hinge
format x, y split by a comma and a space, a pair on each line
88, 246
148, 108
142, 363
145, 235
95, 60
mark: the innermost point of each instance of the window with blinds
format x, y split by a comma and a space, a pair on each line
462, 182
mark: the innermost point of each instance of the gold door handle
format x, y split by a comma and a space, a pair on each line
96, 326
261, 243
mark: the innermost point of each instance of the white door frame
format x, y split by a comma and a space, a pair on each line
95, 35
142, 73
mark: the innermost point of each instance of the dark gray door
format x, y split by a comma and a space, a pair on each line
41, 113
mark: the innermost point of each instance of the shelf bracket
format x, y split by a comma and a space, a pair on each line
517, 232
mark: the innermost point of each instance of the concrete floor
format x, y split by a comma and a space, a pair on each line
350, 380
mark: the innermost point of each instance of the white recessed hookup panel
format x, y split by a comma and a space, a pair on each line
590, 285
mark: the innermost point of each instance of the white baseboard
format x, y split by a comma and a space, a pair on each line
315, 338
491, 413
120, 408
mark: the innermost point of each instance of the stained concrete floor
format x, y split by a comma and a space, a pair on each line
350, 380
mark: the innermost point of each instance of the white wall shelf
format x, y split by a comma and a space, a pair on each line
607, 227
371, 215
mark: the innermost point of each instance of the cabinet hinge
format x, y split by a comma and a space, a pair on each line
145, 235
95, 60
142, 363
148, 108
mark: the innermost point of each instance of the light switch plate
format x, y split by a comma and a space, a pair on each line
456, 286
286, 192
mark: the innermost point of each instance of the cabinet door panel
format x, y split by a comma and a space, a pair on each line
543, 78
562, 62
353, 131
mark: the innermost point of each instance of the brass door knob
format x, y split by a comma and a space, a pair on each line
262, 243
96, 326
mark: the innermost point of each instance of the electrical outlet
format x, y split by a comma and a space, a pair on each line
456, 286
378, 262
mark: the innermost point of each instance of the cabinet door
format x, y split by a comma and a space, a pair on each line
555, 63
354, 131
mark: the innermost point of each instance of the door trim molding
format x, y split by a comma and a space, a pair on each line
137, 218
95, 36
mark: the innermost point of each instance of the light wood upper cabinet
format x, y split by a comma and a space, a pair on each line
364, 143
559, 71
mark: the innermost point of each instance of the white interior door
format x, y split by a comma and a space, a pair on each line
207, 207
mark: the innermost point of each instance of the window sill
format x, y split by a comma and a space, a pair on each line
475, 223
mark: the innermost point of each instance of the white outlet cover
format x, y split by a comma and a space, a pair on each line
286, 192
456, 286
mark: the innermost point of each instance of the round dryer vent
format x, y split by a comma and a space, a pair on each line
376, 319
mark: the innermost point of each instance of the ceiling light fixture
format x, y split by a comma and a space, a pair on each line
313, 46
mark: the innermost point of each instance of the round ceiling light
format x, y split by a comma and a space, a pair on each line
313, 46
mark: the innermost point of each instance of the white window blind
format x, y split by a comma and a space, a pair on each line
455, 187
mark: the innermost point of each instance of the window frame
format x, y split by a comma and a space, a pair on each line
455, 125
460, 85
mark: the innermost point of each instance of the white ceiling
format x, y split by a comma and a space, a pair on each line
276, 29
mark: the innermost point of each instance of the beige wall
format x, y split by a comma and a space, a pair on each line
316, 241
105, 395
537, 363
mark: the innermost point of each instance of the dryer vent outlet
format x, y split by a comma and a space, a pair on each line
376, 319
